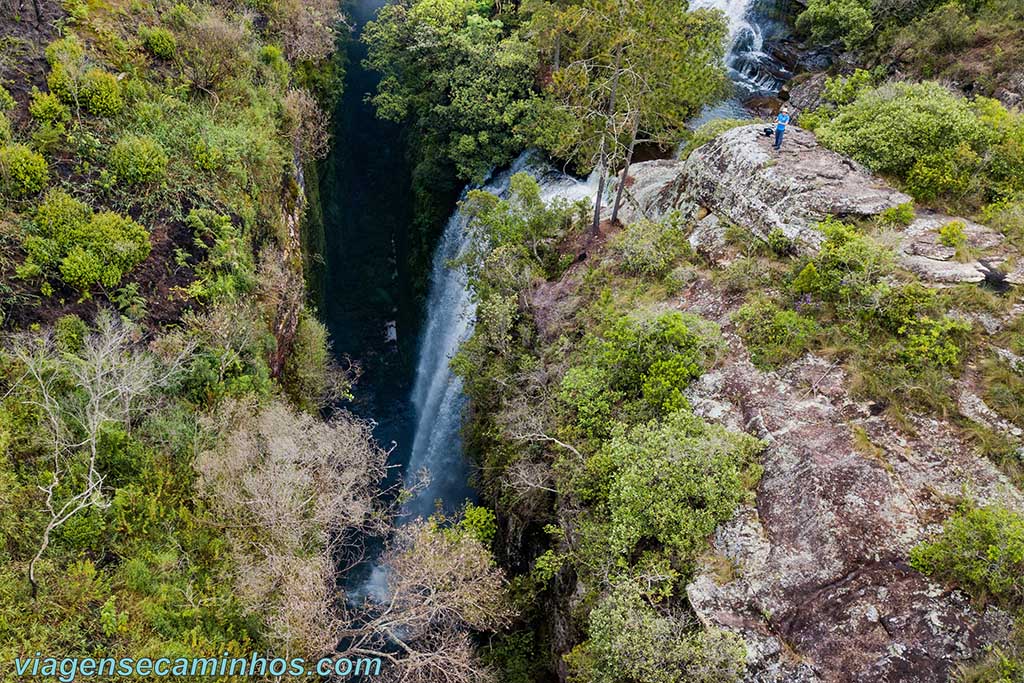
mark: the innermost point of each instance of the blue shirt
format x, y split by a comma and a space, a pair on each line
780, 123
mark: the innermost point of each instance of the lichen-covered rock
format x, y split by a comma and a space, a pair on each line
739, 177
822, 589
922, 251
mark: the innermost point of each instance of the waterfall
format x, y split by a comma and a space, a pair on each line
437, 396
752, 70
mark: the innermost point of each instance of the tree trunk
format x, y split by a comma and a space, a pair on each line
625, 171
602, 164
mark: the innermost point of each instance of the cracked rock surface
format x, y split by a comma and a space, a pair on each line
739, 177
821, 588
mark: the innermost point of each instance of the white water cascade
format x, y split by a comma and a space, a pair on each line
437, 396
751, 69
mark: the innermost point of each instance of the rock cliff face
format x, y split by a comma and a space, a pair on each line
739, 177
821, 589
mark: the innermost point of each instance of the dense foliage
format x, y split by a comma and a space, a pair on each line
949, 40
589, 447
940, 145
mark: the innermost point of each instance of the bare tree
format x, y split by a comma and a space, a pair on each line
107, 382
309, 124
442, 585
294, 494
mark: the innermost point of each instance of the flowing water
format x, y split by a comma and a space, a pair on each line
407, 384
752, 70
437, 396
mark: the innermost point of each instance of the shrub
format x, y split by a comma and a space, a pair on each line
6, 100
849, 269
308, 365
952, 172
674, 481
844, 89
138, 159
69, 333
48, 108
271, 57
953, 235
828, 20
651, 247
638, 369
59, 217
86, 248
81, 269
773, 335
5, 129
22, 171
901, 216
158, 41
981, 549
479, 522
934, 342
228, 269
891, 127
630, 639
101, 93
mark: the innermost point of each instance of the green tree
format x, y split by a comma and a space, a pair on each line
622, 78
450, 70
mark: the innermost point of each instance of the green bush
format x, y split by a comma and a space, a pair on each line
848, 270
891, 127
158, 41
649, 247
899, 216
22, 171
842, 90
674, 481
982, 550
479, 522
86, 248
953, 235
639, 367
307, 367
829, 20
101, 93
69, 333
773, 335
630, 639
953, 172
48, 108
228, 270
929, 342
138, 159
5, 129
6, 100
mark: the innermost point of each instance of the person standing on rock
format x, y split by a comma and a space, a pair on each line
780, 126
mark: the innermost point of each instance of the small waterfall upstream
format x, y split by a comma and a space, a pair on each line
437, 396
752, 70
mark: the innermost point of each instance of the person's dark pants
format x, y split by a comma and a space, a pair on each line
778, 137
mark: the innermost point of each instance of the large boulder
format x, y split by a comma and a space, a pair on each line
922, 251
739, 177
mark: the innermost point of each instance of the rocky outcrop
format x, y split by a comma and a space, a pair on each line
922, 251
740, 178
821, 588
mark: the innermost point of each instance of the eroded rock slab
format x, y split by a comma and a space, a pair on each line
739, 177
822, 589
922, 251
